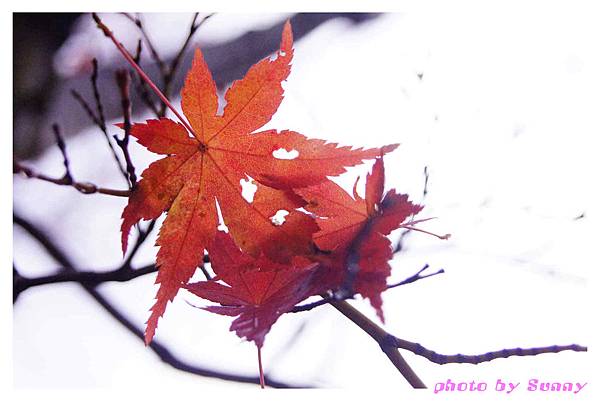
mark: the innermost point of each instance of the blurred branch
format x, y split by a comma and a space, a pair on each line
98, 120
141, 86
122, 77
167, 72
60, 142
143, 235
400, 244
92, 279
67, 178
169, 77
160, 350
146, 38
83, 187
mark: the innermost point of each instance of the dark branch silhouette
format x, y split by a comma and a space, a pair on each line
163, 352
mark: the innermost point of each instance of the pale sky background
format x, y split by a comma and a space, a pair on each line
505, 118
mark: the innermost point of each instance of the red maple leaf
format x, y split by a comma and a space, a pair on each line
202, 172
257, 290
355, 231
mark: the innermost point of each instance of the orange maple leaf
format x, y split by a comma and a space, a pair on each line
206, 162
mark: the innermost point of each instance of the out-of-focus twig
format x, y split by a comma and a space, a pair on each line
109, 34
99, 120
60, 142
141, 86
153, 53
83, 187
122, 77
90, 278
170, 75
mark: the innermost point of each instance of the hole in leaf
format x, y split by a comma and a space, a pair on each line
249, 189
221, 226
284, 154
279, 217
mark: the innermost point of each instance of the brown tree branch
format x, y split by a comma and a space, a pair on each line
83, 187
441, 359
389, 345
122, 77
381, 337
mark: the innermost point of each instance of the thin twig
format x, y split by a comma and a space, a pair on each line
60, 142
77, 96
108, 33
138, 22
98, 120
441, 359
83, 187
141, 86
99, 108
416, 277
122, 77
169, 76
142, 236
400, 244
102, 119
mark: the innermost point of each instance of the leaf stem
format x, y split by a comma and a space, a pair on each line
260, 368
108, 33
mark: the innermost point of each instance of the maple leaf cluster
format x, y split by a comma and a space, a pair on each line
330, 240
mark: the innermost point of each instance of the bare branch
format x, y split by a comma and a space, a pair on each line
155, 56
143, 235
160, 350
122, 77
380, 336
91, 278
108, 33
99, 108
441, 359
416, 277
63, 150
83, 187
98, 120
170, 74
